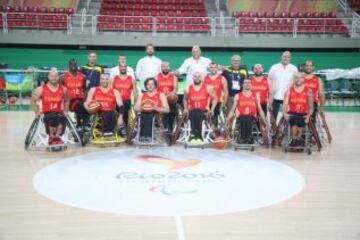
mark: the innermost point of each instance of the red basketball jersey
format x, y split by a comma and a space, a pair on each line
260, 87
298, 101
198, 99
75, 85
165, 83
52, 101
107, 99
216, 84
246, 105
124, 86
313, 84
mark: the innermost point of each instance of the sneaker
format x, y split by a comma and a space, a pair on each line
108, 134
78, 129
300, 143
122, 131
193, 140
51, 140
57, 141
199, 141
293, 143
87, 127
239, 140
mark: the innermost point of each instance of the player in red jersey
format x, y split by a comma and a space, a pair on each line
196, 103
54, 105
167, 83
246, 108
111, 106
126, 86
219, 84
261, 85
316, 86
75, 82
298, 107
150, 103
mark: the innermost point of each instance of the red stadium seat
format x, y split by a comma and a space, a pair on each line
69, 11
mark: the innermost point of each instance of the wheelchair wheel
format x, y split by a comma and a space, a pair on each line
31, 132
72, 131
86, 134
132, 131
309, 151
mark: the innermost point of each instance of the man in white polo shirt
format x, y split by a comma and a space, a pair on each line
149, 66
281, 76
194, 64
122, 62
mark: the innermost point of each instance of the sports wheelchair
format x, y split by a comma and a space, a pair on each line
259, 134
310, 138
182, 132
322, 128
96, 136
38, 138
159, 135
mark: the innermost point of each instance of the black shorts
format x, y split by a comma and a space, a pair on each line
54, 119
77, 105
297, 119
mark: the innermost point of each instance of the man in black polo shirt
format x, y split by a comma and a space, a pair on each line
92, 71
234, 75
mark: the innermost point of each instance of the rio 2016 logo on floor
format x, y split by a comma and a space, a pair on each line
168, 182
164, 182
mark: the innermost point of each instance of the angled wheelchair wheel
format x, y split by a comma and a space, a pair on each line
132, 130
73, 134
31, 133
86, 133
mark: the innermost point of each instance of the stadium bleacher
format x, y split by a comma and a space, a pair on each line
284, 22
177, 15
355, 5
26, 17
188, 16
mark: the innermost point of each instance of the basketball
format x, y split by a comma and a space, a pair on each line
13, 100
147, 105
147, 108
220, 142
94, 107
172, 98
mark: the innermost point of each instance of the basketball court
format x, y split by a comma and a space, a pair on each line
161, 193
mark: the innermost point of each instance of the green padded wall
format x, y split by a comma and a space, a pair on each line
24, 57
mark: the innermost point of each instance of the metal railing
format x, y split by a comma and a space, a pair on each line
213, 26
152, 24
35, 21
297, 26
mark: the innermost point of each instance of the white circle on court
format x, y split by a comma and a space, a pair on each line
168, 182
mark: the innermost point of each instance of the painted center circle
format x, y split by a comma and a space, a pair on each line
168, 182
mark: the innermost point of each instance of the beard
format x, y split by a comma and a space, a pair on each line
122, 72
258, 74
165, 72
197, 83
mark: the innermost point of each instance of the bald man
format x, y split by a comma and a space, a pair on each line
281, 77
54, 105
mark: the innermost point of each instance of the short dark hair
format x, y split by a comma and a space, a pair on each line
148, 80
73, 60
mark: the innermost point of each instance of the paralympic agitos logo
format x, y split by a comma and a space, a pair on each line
175, 177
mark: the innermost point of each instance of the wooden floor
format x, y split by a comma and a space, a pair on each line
327, 208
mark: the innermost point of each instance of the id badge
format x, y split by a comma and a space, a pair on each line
235, 85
